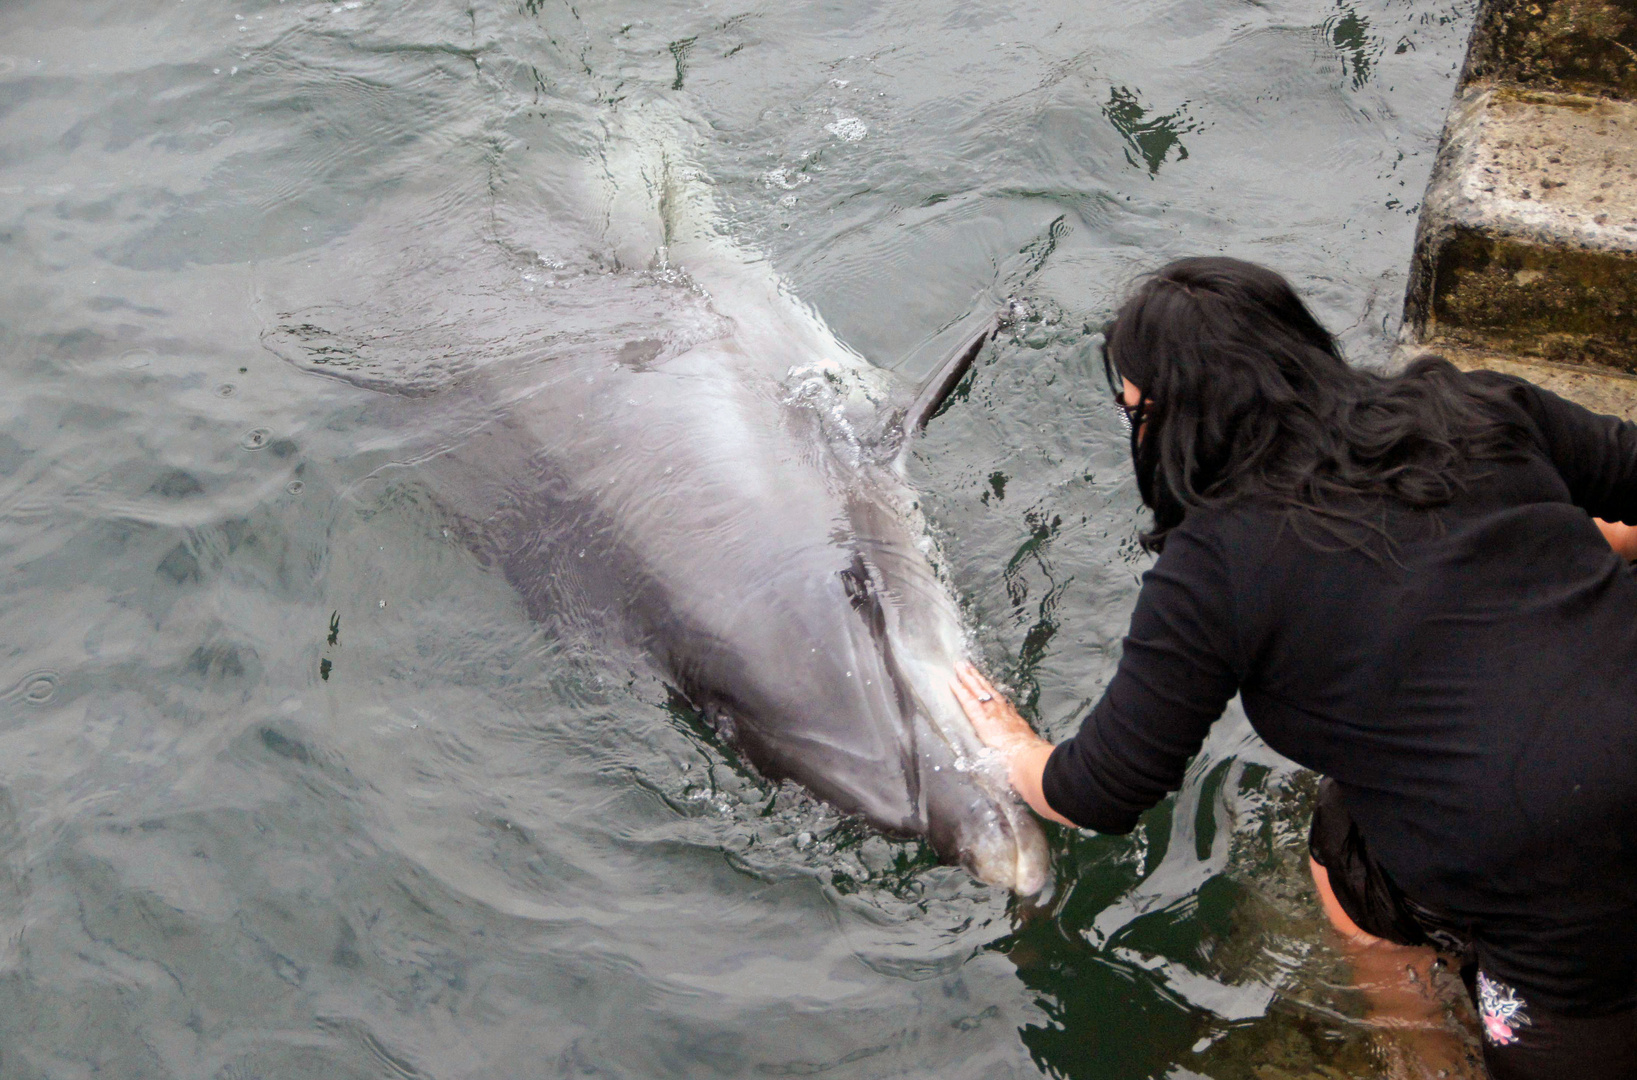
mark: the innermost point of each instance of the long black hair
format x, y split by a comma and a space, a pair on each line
1245, 395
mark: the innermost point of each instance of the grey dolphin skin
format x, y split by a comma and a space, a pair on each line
735, 509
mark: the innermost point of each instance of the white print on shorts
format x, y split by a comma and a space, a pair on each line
1501, 1010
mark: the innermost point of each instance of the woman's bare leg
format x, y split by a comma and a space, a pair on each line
1397, 984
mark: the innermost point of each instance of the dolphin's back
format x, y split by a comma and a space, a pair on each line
688, 510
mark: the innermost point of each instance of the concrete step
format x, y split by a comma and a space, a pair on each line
1600, 390
1526, 250
1528, 234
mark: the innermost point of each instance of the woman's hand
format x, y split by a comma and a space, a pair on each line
993, 717
1001, 728
1622, 538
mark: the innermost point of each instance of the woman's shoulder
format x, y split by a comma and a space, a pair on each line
1251, 534
1250, 513
1239, 525
1515, 395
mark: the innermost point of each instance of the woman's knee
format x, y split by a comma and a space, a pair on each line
1333, 910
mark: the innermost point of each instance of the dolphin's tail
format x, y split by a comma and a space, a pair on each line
659, 210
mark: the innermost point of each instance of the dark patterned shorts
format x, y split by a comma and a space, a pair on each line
1521, 1040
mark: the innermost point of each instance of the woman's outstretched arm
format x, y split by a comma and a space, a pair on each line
1002, 729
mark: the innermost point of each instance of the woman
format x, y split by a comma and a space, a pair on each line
1403, 580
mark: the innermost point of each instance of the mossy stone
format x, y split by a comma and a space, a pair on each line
1576, 46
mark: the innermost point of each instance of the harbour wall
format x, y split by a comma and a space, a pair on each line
1526, 249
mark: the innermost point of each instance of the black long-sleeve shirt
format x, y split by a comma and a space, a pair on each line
1474, 694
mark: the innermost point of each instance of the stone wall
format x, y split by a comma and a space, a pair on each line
1526, 251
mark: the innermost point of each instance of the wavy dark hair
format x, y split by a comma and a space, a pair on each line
1245, 395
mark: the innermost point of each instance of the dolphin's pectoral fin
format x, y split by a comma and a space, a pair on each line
936, 388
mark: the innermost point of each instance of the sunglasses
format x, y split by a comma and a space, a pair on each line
1132, 414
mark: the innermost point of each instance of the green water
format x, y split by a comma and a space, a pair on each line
290, 786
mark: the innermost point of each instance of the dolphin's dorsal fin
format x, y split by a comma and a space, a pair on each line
936, 387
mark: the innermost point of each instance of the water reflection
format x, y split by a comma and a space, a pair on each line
1150, 138
1217, 971
1349, 33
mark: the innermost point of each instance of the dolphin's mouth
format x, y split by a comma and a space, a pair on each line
1006, 848
975, 820
1031, 868
969, 810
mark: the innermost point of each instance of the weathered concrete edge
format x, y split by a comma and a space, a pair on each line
1458, 195
1457, 146
1455, 199
1584, 46
1598, 389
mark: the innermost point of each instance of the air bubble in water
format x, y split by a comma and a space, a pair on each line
136, 358
36, 688
784, 176
295, 487
255, 440
847, 128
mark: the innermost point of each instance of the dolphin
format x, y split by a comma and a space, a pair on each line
732, 503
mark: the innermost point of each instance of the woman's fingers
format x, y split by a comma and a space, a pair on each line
974, 681
1621, 537
980, 690
968, 698
976, 696
994, 719
973, 708
1000, 728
